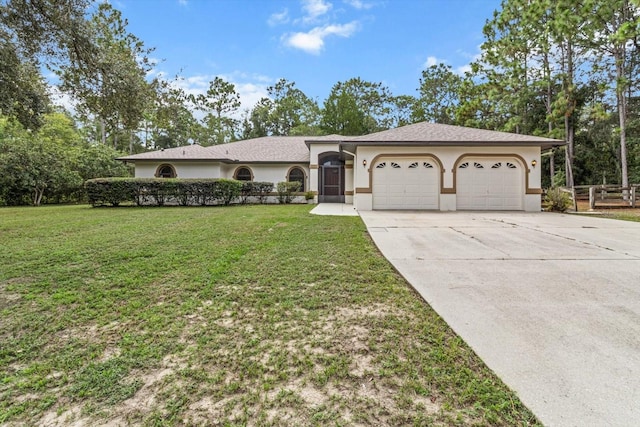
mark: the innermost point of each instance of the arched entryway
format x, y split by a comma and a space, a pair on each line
330, 178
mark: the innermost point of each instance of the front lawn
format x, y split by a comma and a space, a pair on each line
251, 315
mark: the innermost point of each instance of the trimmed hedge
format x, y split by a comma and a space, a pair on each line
160, 191
112, 191
257, 189
286, 191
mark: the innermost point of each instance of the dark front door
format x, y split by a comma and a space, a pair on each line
331, 184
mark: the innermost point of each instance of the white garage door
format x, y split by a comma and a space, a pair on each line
490, 184
405, 184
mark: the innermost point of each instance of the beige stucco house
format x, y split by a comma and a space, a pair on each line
424, 166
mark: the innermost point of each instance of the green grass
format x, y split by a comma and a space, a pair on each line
625, 216
254, 315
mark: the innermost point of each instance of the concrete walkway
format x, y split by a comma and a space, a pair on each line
550, 302
335, 209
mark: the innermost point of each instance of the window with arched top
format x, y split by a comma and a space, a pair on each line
165, 171
296, 175
243, 174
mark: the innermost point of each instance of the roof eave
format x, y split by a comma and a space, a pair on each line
351, 145
174, 159
253, 162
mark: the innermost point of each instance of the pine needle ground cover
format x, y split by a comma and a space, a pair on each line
249, 315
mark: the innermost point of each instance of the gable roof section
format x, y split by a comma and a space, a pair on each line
187, 152
271, 149
268, 149
426, 133
295, 149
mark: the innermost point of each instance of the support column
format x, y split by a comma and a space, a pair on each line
348, 181
313, 179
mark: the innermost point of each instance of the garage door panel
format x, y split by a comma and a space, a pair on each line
490, 184
405, 184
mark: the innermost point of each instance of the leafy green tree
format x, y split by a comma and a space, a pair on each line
218, 103
291, 109
532, 56
402, 110
57, 31
32, 167
342, 116
439, 95
23, 92
172, 116
506, 62
257, 122
357, 107
616, 44
51, 164
286, 111
114, 88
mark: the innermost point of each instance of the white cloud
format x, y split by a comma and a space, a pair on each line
279, 18
63, 99
193, 85
472, 57
250, 94
463, 69
251, 87
183, 2
315, 9
432, 60
313, 41
359, 4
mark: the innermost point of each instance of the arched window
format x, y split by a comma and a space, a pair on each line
165, 171
296, 174
243, 174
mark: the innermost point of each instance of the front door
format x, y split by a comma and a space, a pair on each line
331, 184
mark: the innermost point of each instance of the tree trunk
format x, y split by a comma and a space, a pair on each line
548, 105
569, 128
622, 115
103, 132
37, 196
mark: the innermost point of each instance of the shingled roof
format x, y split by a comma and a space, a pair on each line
268, 149
294, 149
426, 133
187, 152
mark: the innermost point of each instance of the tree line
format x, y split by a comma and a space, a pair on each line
566, 69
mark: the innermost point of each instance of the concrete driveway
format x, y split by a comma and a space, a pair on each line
550, 302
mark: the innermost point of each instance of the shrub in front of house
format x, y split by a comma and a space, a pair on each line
175, 191
286, 191
557, 200
255, 191
226, 190
111, 191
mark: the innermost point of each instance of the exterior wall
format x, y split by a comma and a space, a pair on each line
261, 171
348, 181
315, 149
183, 169
266, 172
448, 156
358, 176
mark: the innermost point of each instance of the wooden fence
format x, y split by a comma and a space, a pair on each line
608, 195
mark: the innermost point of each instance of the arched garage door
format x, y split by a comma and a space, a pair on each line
405, 183
490, 184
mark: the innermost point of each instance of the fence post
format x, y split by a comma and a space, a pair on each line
592, 198
633, 196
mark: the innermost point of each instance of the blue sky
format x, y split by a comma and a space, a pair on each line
315, 43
